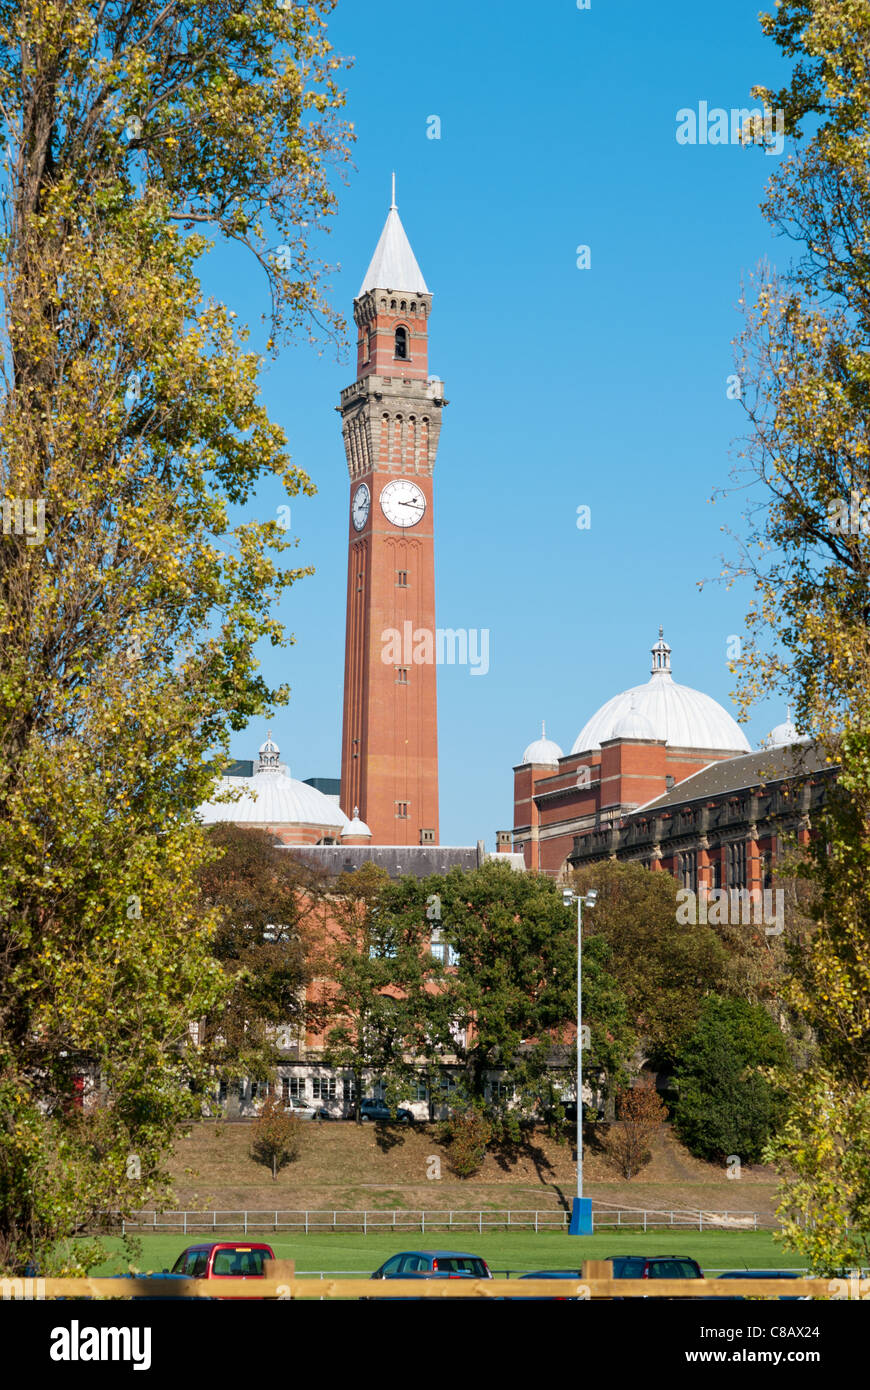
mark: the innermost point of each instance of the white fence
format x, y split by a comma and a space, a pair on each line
371, 1222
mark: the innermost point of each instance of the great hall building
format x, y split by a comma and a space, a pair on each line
662, 774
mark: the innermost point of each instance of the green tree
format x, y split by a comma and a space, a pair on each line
380, 975
664, 967
131, 607
266, 905
725, 1104
509, 1005
804, 361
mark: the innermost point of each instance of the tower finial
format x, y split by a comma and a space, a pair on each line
393, 203
543, 728
661, 655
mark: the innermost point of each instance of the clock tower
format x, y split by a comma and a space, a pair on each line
391, 420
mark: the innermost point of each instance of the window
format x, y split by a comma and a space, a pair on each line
366, 347
402, 579
736, 864
442, 950
500, 1090
292, 1087
382, 950
421, 1091
348, 1090
716, 872
427, 837
401, 675
401, 344
323, 1087
402, 810
687, 869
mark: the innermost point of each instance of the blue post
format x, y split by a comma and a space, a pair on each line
581, 1217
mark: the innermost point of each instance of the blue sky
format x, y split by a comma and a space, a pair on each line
603, 387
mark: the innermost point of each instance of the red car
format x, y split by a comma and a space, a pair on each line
224, 1259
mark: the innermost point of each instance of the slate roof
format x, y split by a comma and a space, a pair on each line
736, 774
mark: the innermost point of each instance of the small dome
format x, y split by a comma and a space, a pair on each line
355, 827
543, 750
680, 716
633, 724
782, 735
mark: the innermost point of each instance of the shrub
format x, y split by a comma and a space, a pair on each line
466, 1134
276, 1138
641, 1113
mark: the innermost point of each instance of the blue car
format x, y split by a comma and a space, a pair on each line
433, 1264
761, 1274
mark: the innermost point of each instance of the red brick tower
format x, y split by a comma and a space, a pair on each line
391, 420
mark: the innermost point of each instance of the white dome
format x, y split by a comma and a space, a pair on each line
273, 797
781, 735
543, 750
682, 717
633, 725
356, 826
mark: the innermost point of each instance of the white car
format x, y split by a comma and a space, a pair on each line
305, 1110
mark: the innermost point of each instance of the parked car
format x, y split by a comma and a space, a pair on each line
761, 1274
433, 1264
655, 1267
164, 1276
552, 1274
224, 1259
304, 1110
379, 1110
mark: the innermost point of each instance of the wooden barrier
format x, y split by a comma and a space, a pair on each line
596, 1282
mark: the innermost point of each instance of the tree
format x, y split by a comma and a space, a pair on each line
376, 967
130, 605
466, 1132
509, 1001
276, 1138
266, 903
664, 967
804, 361
641, 1113
725, 1104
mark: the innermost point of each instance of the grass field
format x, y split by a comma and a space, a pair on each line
517, 1250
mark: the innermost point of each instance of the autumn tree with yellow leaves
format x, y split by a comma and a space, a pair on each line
136, 136
804, 363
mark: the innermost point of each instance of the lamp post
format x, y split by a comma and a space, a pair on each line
581, 1210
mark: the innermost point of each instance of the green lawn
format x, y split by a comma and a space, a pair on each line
519, 1250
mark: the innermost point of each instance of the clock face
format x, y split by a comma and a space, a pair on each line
362, 500
402, 502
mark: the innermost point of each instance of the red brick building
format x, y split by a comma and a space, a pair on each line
663, 775
639, 745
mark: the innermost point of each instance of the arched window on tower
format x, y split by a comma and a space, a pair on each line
402, 344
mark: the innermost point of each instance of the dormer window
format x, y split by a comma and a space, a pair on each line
401, 344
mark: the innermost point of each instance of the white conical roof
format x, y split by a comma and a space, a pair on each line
682, 717
394, 265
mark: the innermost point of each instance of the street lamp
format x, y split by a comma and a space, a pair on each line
581, 1210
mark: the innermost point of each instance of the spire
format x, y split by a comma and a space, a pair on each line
394, 265
661, 656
